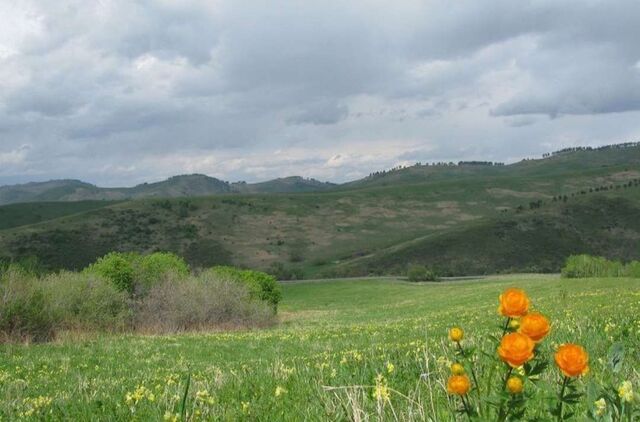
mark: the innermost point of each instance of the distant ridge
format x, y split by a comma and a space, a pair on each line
177, 186
197, 185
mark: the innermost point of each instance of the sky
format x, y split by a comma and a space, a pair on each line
126, 91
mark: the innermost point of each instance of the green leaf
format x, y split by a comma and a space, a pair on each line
616, 356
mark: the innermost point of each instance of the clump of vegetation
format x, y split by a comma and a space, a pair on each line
137, 273
35, 309
124, 292
116, 267
261, 285
198, 303
150, 269
581, 266
421, 273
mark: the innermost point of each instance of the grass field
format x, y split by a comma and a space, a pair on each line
322, 361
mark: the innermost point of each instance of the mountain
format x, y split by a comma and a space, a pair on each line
174, 187
467, 218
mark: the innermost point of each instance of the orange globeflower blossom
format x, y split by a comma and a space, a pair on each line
458, 384
516, 349
513, 303
572, 360
535, 326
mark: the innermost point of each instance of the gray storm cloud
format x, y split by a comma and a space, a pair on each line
119, 92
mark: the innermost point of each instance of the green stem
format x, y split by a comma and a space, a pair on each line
467, 409
564, 385
502, 415
506, 326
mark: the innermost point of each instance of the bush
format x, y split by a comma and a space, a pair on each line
116, 267
25, 314
37, 309
420, 273
150, 269
580, 266
261, 285
197, 303
86, 302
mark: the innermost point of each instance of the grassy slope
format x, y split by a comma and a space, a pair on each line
335, 333
17, 215
329, 232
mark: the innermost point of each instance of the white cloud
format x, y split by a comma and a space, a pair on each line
118, 92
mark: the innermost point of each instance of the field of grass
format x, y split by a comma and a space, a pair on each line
336, 341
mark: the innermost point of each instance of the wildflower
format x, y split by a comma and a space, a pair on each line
390, 367
572, 360
456, 334
457, 369
514, 303
458, 384
516, 349
534, 325
601, 406
515, 385
170, 417
514, 324
204, 396
280, 391
625, 391
381, 391
245, 407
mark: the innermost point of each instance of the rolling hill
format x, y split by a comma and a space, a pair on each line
174, 187
459, 219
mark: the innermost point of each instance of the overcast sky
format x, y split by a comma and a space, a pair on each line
121, 92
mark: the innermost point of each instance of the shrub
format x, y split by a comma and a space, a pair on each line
86, 302
150, 269
196, 303
116, 267
37, 309
632, 269
261, 285
578, 266
25, 314
420, 273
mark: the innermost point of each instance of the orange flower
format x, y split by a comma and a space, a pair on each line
516, 349
534, 325
572, 360
513, 303
456, 334
458, 384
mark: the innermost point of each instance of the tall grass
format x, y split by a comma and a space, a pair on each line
581, 266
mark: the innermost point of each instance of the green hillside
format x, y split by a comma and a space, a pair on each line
532, 214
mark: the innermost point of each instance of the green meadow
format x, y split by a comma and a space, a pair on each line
352, 349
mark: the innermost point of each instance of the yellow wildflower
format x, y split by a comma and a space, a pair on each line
601, 407
625, 391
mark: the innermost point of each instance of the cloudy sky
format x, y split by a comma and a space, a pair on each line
120, 92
